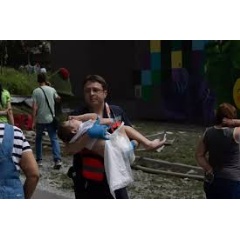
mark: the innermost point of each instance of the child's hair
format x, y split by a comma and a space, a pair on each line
64, 132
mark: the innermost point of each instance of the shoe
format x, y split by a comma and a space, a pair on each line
39, 163
57, 165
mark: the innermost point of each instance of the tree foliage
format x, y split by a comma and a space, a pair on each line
222, 67
17, 52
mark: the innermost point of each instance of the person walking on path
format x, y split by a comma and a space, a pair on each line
43, 112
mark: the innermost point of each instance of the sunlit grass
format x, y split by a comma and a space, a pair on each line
18, 83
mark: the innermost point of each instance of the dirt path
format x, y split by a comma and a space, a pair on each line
56, 184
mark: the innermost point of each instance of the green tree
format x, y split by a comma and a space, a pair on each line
222, 68
3, 53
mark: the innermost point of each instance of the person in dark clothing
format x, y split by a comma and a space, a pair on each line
218, 154
87, 172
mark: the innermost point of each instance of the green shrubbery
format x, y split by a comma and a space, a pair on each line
18, 83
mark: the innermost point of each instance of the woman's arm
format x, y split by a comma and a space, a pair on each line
29, 167
4, 112
231, 122
201, 157
236, 134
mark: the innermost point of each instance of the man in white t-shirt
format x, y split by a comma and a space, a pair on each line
44, 98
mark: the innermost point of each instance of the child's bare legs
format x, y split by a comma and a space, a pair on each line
147, 144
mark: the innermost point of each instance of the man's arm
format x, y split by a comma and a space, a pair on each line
34, 114
57, 98
97, 131
29, 167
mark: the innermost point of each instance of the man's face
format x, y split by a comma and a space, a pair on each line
94, 94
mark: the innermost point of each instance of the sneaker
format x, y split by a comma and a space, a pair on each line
57, 165
39, 163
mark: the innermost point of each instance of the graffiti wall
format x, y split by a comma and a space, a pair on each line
177, 70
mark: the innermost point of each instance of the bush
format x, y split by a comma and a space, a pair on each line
18, 83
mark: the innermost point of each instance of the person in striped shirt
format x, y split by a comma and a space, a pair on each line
15, 156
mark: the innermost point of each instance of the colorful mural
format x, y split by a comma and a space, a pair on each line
176, 68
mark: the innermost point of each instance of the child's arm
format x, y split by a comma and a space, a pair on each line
92, 116
84, 117
106, 121
96, 131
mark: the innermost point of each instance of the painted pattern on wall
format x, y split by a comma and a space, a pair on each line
176, 68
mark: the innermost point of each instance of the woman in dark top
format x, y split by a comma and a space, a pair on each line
219, 156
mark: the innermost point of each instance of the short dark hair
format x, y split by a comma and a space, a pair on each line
225, 110
42, 77
64, 133
96, 78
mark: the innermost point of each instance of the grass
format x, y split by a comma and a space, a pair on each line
18, 83
183, 148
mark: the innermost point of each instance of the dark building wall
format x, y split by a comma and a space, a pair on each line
113, 60
167, 74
